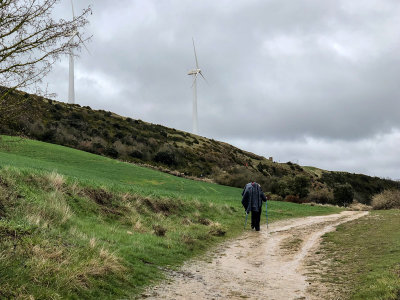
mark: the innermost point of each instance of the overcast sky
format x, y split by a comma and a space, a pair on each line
308, 81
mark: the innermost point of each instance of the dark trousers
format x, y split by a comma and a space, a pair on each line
255, 219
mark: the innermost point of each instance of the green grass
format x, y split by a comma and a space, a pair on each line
365, 257
313, 170
97, 170
78, 225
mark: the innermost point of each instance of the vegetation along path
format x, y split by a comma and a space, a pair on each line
259, 265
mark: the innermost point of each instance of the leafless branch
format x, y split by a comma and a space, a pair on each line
31, 41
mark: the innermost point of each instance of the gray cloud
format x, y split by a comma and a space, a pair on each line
291, 73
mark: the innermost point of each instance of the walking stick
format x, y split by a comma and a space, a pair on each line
266, 211
245, 222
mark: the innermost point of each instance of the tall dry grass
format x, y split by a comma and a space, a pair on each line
56, 180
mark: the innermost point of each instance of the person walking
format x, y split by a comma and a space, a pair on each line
252, 200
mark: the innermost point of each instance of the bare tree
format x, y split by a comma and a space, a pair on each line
31, 41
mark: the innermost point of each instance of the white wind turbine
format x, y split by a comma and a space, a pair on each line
195, 73
71, 88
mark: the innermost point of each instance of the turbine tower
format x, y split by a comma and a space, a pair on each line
71, 88
195, 73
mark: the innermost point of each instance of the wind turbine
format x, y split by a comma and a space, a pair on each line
195, 73
71, 88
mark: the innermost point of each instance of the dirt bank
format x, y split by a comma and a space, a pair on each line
258, 265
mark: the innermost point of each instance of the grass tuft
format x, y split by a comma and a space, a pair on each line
159, 230
139, 227
56, 180
216, 229
204, 221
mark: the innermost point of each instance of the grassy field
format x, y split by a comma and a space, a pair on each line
362, 258
78, 225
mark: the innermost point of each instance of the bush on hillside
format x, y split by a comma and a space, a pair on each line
301, 185
279, 186
111, 152
364, 186
294, 199
240, 176
388, 199
287, 185
343, 194
136, 154
166, 157
274, 197
322, 196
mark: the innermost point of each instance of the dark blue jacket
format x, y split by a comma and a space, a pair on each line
253, 197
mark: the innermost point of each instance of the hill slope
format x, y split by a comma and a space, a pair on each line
180, 153
78, 225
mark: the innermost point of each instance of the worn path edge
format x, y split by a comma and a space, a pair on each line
269, 264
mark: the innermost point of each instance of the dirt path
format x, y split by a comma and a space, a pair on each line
258, 265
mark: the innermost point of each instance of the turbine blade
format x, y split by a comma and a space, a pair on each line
83, 43
203, 77
73, 12
195, 55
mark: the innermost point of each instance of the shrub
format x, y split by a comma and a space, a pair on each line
76, 116
388, 199
240, 176
343, 194
261, 167
48, 135
166, 157
136, 154
110, 151
177, 138
364, 186
97, 146
120, 148
281, 186
119, 135
94, 132
105, 134
323, 196
275, 197
293, 199
301, 185
163, 133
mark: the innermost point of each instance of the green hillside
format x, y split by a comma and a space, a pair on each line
79, 225
181, 153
